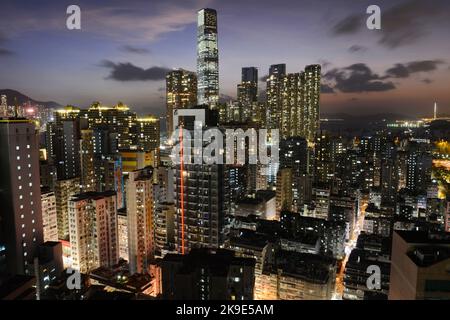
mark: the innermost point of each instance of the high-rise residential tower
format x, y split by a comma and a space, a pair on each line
310, 115
181, 93
273, 91
21, 230
247, 93
207, 58
201, 194
139, 193
93, 230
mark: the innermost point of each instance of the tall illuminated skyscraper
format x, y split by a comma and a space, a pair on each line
247, 92
181, 93
201, 194
276, 74
310, 115
21, 230
207, 58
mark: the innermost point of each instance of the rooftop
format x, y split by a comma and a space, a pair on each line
217, 261
93, 195
309, 267
423, 237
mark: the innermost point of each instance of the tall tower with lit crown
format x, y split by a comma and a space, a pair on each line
435, 111
207, 58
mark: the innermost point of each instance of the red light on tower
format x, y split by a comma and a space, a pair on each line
182, 186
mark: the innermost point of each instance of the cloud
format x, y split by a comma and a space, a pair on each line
356, 48
427, 81
126, 71
401, 70
141, 22
136, 50
6, 52
324, 63
3, 37
350, 24
358, 78
401, 25
325, 88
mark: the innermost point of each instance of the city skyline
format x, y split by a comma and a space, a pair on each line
123, 53
254, 190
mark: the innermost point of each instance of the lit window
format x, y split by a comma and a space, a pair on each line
28, 146
18, 157
17, 147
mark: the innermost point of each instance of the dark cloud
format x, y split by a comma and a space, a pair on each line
325, 88
358, 78
350, 24
135, 50
356, 48
3, 37
402, 24
398, 71
406, 23
427, 81
129, 72
324, 63
401, 70
6, 52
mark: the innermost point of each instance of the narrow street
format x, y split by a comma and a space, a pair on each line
351, 243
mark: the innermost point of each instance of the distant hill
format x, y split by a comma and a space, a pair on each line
21, 98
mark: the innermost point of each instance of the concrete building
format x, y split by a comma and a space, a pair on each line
49, 215
93, 230
206, 274
21, 230
64, 189
139, 193
419, 266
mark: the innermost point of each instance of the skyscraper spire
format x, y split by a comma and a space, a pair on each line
207, 58
435, 111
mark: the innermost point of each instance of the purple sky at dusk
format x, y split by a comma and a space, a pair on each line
402, 68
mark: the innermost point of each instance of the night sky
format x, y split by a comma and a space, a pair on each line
125, 48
